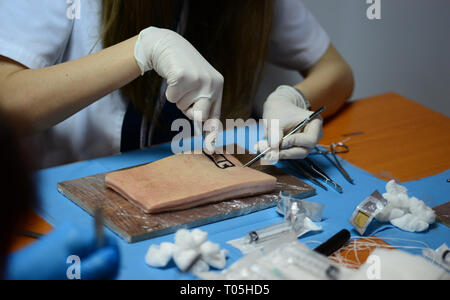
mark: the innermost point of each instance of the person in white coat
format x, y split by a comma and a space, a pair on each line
80, 75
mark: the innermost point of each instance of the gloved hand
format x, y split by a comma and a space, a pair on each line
193, 84
47, 259
287, 105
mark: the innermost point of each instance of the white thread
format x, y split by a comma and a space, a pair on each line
359, 244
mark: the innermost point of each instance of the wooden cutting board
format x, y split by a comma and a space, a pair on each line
133, 225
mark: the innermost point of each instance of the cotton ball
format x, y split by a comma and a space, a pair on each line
189, 247
159, 256
212, 254
389, 213
409, 214
200, 267
421, 211
209, 248
183, 258
402, 201
410, 223
390, 197
383, 216
393, 188
416, 206
429, 215
218, 260
199, 237
396, 213
184, 239
396, 200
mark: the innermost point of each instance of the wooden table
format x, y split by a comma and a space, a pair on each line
400, 139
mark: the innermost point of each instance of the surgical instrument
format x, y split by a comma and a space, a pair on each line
324, 175
334, 151
302, 171
299, 127
336, 148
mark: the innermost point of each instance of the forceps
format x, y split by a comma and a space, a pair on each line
336, 148
308, 168
317, 170
299, 168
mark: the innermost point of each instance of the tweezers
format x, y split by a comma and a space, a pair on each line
308, 168
316, 169
299, 167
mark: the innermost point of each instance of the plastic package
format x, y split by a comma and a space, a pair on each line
312, 210
284, 259
366, 211
296, 222
441, 256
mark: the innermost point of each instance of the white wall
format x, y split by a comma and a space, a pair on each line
407, 51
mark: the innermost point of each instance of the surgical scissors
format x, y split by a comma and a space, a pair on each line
336, 148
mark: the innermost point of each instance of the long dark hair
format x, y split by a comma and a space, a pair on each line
16, 184
232, 35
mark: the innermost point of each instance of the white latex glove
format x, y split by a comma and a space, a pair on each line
288, 106
193, 84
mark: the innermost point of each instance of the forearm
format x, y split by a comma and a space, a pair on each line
44, 97
329, 83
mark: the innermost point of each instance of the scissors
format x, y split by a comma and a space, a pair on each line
336, 148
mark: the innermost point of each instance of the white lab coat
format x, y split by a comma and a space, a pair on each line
43, 33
